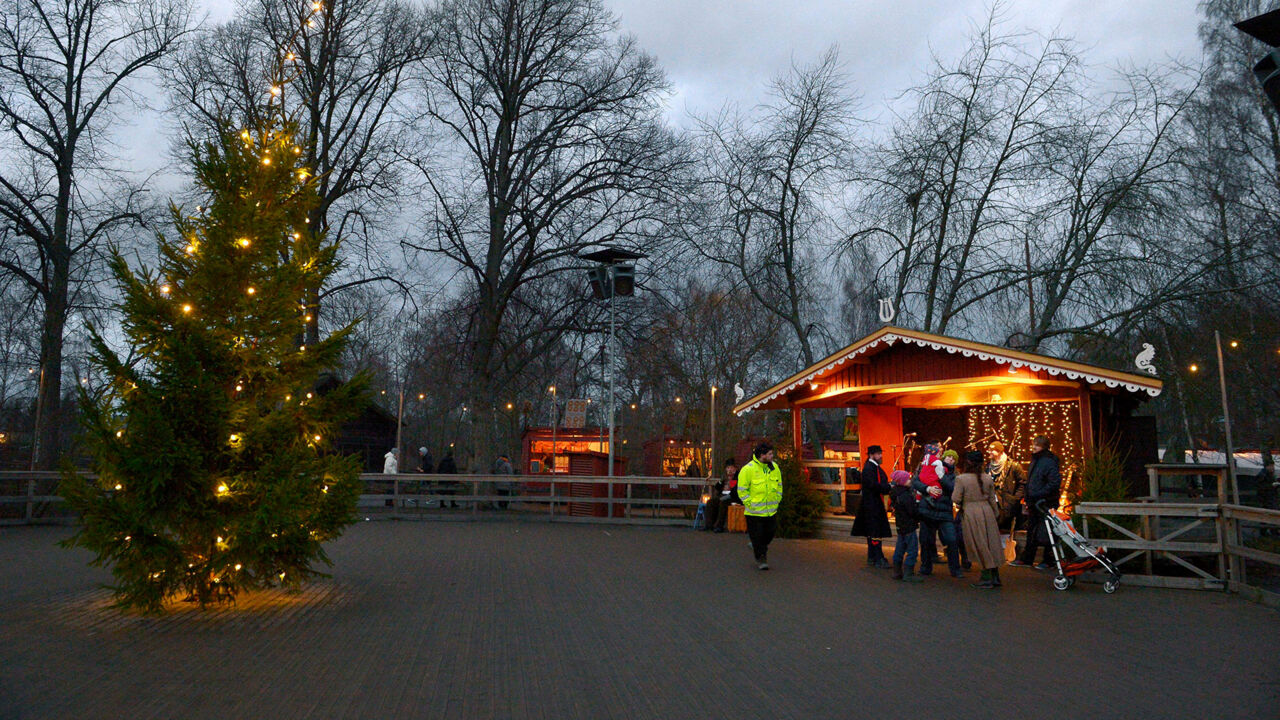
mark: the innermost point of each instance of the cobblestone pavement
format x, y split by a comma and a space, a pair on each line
533, 620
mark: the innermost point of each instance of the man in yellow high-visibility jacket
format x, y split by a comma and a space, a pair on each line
760, 488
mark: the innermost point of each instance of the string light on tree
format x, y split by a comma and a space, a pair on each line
258, 192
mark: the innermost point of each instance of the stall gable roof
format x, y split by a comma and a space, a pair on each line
888, 335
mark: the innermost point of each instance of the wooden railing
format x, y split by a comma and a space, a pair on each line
31, 497
1212, 543
1240, 520
1151, 539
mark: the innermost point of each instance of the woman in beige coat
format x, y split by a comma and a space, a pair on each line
976, 495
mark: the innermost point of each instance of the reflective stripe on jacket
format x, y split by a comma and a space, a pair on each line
760, 488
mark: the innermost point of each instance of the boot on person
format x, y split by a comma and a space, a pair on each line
897, 570
909, 575
995, 578
984, 583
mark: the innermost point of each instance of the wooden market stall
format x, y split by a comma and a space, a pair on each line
539, 444
908, 387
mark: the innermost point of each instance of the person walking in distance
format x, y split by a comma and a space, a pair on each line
448, 467
1044, 484
760, 488
872, 521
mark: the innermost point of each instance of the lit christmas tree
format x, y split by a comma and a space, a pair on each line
211, 447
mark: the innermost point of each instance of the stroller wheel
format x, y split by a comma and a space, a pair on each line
1061, 582
1110, 586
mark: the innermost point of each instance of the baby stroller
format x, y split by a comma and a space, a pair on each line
1083, 556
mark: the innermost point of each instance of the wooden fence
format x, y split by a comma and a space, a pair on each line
1209, 545
31, 497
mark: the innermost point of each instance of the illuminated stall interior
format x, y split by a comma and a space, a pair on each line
672, 457
897, 382
538, 443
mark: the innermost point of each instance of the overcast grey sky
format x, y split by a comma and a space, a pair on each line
726, 50
717, 50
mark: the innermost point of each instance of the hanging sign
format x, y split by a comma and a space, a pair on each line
575, 413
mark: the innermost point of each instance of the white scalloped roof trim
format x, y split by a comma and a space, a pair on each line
890, 339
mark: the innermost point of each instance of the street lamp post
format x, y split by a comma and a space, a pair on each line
608, 280
1226, 420
711, 470
400, 420
555, 410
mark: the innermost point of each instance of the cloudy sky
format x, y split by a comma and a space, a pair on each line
717, 51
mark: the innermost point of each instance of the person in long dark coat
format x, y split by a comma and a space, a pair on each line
1044, 485
872, 521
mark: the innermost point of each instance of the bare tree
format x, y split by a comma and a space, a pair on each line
65, 69
774, 177
958, 172
348, 90
552, 142
1108, 250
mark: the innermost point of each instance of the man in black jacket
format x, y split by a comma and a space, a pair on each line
1044, 485
872, 520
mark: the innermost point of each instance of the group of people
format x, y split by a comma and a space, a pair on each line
446, 466
962, 502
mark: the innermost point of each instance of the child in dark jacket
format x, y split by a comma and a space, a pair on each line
906, 514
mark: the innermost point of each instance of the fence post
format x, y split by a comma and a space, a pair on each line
1225, 569
552, 497
31, 493
395, 497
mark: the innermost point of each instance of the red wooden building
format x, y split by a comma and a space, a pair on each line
906, 381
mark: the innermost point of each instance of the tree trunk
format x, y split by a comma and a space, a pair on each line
47, 447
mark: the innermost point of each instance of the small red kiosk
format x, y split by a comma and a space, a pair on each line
582, 452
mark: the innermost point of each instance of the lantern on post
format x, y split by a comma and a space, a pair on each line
614, 275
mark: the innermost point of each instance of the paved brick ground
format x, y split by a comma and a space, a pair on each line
529, 620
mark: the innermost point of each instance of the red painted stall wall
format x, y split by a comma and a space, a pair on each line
880, 425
